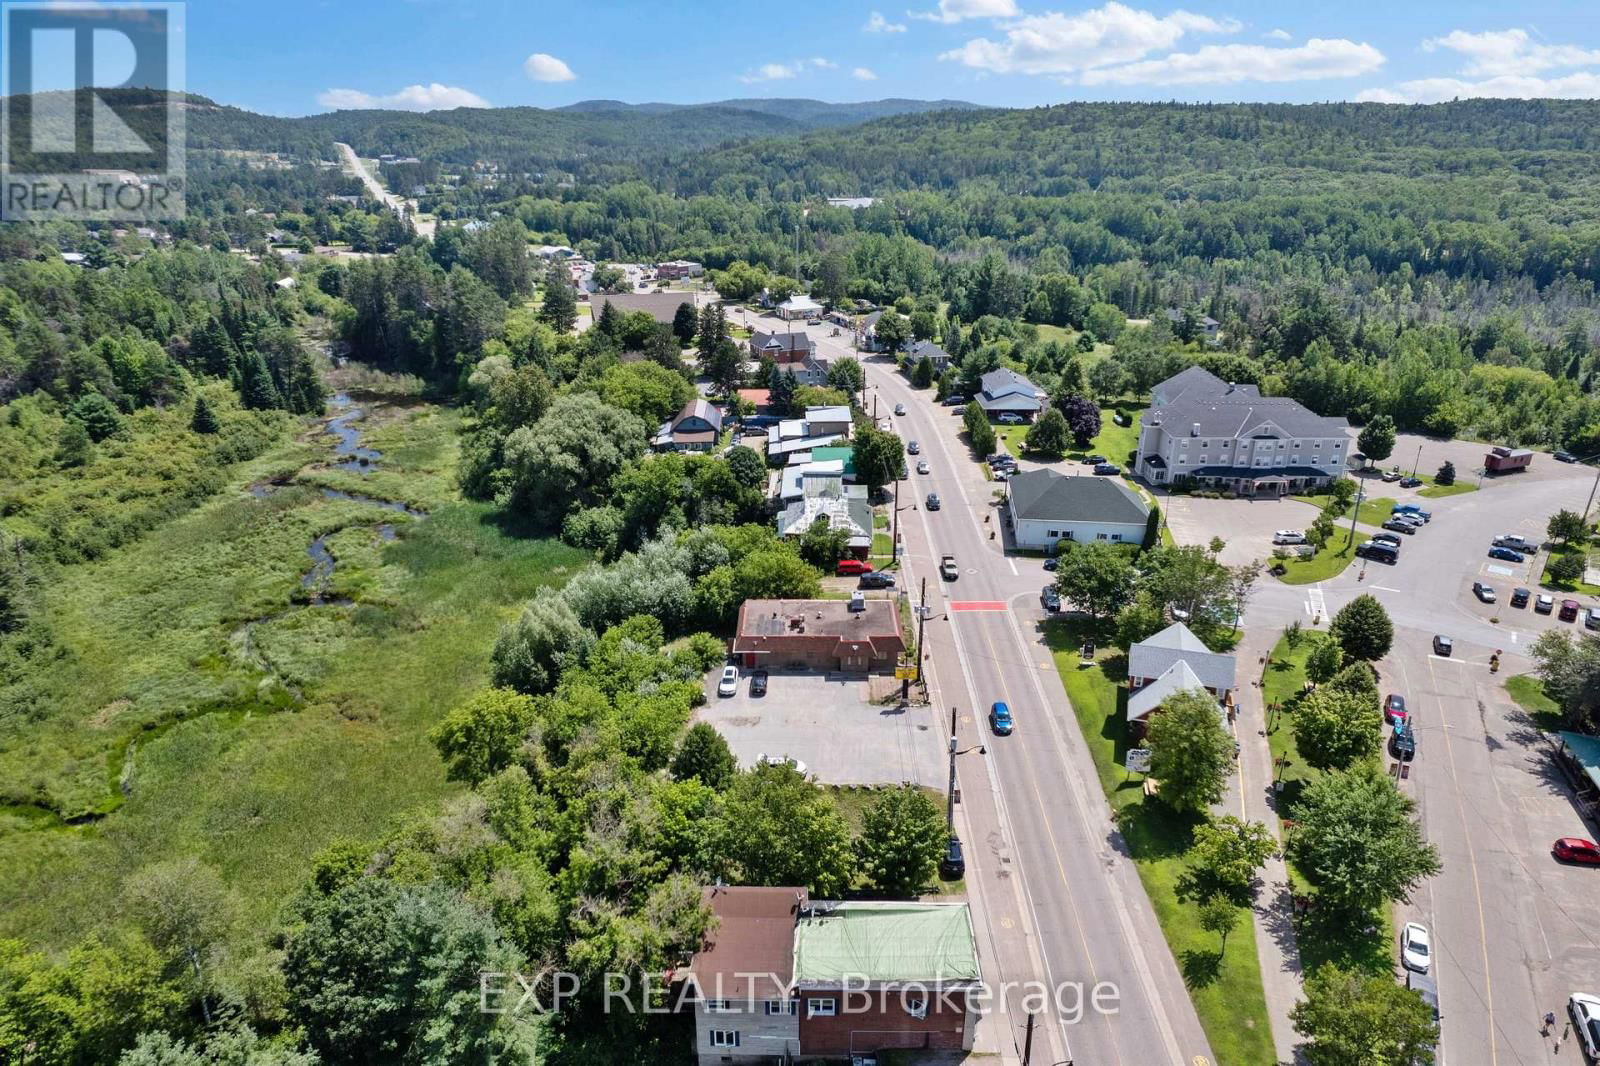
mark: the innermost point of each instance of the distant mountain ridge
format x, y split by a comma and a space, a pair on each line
805, 112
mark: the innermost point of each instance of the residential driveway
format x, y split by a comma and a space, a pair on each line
1245, 525
828, 724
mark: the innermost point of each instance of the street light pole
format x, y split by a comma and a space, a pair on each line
1361, 494
922, 625
1418, 464
894, 526
950, 794
1591, 496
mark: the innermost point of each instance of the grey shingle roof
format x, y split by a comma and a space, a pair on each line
996, 382
1154, 656
1193, 377
1046, 496
1198, 397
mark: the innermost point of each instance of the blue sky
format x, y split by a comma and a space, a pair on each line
292, 57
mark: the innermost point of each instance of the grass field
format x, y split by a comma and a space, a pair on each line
1528, 692
159, 712
1225, 987
1113, 441
1329, 561
1375, 511
1580, 586
1434, 491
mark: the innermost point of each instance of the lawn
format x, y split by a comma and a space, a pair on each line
1528, 692
1434, 491
1329, 561
1069, 337
852, 802
1580, 586
1114, 442
202, 714
1375, 511
1226, 989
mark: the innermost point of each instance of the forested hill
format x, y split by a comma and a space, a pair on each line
805, 113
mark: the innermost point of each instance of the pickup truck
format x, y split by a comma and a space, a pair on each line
947, 567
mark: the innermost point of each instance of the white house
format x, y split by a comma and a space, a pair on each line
799, 306
1047, 507
1204, 431
1005, 391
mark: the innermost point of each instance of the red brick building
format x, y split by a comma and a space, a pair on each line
819, 635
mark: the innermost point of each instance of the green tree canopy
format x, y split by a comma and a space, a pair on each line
1363, 629
705, 756
777, 828
1335, 728
902, 839
1355, 839
1191, 751
1350, 1017
1097, 578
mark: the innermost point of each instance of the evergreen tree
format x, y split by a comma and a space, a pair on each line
256, 389
559, 306
204, 419
685, 322
609, 321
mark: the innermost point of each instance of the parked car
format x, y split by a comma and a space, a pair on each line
1394, 709
1591, 618
913, 448
877, 579
1403, 742
922, 466
1410, 519
1483, 592
1094, 460
1423, 985
1288, 536
1585, 1011
953, 867
729, 685
1514, 541
1519, 598
1050, 599
955, 400
1009, 418
1004, 473
1564, 457
1443, 646
933, 501
1412, 508
1107, 469
1400, 527
852, 568
1507, 554
899, 408
1410, 482
1386, 538
813, 321
1416, 952
758, 684
1569, 611
1052, 564
1391, 475
1545, 603
1000, 720
782, 760
1576, 850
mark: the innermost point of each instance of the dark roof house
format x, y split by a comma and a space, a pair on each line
1044, 495
693, 429
1006, 390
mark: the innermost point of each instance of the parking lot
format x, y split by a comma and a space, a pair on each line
1246, 526
827, 723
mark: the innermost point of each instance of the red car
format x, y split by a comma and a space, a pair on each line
852, 567
1394, 709
1576, 849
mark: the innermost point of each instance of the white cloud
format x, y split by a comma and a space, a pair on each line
1510, 52
823, 64
1279, 35
876, 23
950, 11
1581, 85
431, 97
771, 72
863, 74
544, 67
1053, 43
1217, 64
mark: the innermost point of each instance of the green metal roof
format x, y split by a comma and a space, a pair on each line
848, 455
880, 942
1586, 750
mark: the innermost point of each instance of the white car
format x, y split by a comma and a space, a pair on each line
1010, 418
922, 467
1288, 536
781, 760
899, 408
1416, 951
729, 685
1585, 1010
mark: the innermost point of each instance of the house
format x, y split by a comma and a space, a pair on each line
74, 258
696, 428
677, 269
821, 426
940, 358
833, 453
1208, 325
845, 507
285, 283
1174, 660
867, 333
1005, 391
1201, 430
799, 306
812, 477
828, 421
783, 977
661, 306
823, 635
760, 399
794, 352
854, 203
1047, 507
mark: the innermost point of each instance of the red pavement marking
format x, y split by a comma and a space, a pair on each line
978, 605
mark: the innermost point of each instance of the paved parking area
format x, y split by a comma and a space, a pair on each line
827, 723
1245, 525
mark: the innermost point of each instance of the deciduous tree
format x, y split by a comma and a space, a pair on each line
1097, 578
1356, 840
1191, 751
777, 828
1333, 728
1376, 440
1049, 435
484, 735
1350, 1017
902, 839
704, 755
1363, 629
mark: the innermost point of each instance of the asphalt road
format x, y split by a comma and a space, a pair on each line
1050, 879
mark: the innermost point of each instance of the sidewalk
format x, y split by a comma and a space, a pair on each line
1251, 796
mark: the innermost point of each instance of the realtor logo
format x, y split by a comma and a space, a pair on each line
92, 117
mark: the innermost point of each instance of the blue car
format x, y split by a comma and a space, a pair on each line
1000, 720
1411, 508
1505, 553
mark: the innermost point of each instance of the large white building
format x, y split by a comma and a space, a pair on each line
1047, 508
1204, 431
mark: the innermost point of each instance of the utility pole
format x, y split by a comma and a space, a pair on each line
1027, 1041
950, 796
894, 526
1418, 464
922, 625
1591, 496
1361, 494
